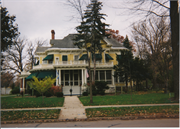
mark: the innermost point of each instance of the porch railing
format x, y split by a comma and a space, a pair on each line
73, 63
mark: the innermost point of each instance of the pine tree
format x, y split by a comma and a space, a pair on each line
125, 61
9, 31
91, 32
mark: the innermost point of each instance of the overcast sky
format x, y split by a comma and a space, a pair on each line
36, 18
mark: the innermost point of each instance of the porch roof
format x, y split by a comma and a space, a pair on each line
42, 74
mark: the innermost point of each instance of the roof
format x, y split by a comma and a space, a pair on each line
113, 42
41, 49
67, 42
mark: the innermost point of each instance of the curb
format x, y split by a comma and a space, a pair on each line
93, 119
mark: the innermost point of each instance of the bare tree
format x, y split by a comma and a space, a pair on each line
78, 6
162, 8
14, 57
152, 38
146, 8
32, 46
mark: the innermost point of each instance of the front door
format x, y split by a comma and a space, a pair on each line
72, 79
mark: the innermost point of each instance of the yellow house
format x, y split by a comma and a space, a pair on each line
68, 64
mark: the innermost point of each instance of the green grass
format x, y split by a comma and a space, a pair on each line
30, 115
132, 111
30, 102
152, 98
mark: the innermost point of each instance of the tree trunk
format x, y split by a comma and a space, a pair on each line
42, 99
94, 60
154, 83
90, 78
174, 16
147, 83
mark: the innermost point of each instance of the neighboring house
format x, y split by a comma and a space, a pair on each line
68, 64
5, 90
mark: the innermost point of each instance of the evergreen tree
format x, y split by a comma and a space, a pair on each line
129, 68
125, 63
8, 30
90, 32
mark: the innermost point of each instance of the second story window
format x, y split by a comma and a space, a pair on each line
76, 58
45, 61
64, 59
48, 59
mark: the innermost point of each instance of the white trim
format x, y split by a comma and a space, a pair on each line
56, 61
112, 77
60, 77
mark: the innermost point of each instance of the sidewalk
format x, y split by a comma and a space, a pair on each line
72, 108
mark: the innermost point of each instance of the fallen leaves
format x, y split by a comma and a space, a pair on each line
132, 111
29, 115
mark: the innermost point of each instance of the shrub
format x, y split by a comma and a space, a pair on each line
101, 86
37, 94
55, 89
59, 94
102, 92
48, 94
29, 91
22, 93
94, 92
85, 94
15, 90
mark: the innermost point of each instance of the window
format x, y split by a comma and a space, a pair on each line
102, 75
50, 62
64, 58
108, 76
45, 61
76, 57
96, 78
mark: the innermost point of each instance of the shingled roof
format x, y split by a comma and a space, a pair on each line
41, 49
67, 42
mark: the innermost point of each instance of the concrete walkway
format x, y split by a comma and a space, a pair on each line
72, 108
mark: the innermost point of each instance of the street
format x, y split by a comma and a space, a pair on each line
103, 123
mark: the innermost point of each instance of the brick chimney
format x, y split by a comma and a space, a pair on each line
53, 34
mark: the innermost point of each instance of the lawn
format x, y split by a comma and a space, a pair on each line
151, 98
30, 102
132, 111
30, 115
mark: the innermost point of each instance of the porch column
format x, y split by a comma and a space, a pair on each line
82, 74
23, 84
112, 77
60, 77
85, 76
56, 77
104, 57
